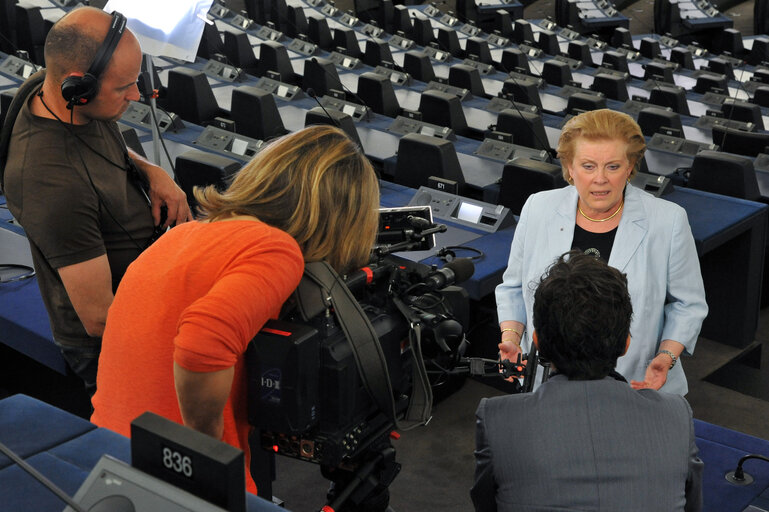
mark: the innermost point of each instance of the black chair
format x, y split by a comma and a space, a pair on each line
730, 175
743, 111
30, 32
239, 51
579, 50
329, 116
711, 82
526, 128
760, 51
256, 114
522, 177
658, 71
421, 156
649, 48
654, 119
443, 109
522, 92
722, 66
615, 60
584, 102
671, 96
378, 93
422, 31
730, 40
761, 96
466, 77
297, 23
503, 23
210, 43
418, 65
682, 57
377, 52
556, 72
548, 42
740, 142
346, 38
512, 59
522, 32
613, 87
321, 75
621, 37
402, 20
274, 57
319, 33
190, 96
448, 41
201, 169
479, 48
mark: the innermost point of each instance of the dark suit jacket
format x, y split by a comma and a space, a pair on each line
586, 445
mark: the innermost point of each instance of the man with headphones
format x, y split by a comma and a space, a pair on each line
88, 204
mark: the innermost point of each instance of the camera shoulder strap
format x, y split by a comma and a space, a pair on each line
356, 326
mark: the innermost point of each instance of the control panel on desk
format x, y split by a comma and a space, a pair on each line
466, 212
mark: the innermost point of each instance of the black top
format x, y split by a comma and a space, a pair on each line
597, 244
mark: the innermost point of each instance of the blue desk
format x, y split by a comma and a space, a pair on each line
64, 448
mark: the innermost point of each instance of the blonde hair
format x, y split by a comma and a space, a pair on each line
314, 184
603, 124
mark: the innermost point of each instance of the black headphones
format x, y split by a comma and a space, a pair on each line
78, 89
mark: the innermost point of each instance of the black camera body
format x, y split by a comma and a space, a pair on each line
305, 392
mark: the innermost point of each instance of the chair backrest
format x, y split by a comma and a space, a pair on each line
201, 169
378, 93
526, 128
720, 173
652, 119
421, 156
522, 177
190, 96
443, 109
740, 142
256, 114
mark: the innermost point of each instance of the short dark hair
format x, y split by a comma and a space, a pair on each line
582, 314
70, 47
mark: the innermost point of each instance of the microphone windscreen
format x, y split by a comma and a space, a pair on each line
311, 92
463, 269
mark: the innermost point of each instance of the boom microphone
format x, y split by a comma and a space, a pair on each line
454, 272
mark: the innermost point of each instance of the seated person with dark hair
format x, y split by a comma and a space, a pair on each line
585, 440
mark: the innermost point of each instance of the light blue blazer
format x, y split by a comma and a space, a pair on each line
654, 247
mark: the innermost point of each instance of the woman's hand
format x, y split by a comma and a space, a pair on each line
656, 373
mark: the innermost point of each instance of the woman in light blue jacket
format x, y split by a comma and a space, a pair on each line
647, 238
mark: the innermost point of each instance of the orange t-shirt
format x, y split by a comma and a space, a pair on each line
196, 297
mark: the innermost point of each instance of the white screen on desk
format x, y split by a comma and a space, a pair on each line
239, 146
470, 212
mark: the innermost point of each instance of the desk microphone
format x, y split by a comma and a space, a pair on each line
738, 476
314, 60
311, 93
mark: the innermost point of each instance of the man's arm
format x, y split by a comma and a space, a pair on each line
202, 397
89, 286
484, 490
163, 192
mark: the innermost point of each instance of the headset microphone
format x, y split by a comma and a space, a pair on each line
78, 88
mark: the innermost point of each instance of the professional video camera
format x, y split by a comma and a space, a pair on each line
355, 359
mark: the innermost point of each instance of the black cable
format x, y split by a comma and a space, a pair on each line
448, 253
88, 173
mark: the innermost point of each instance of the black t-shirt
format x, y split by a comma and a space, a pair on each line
67, 221
597, 244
